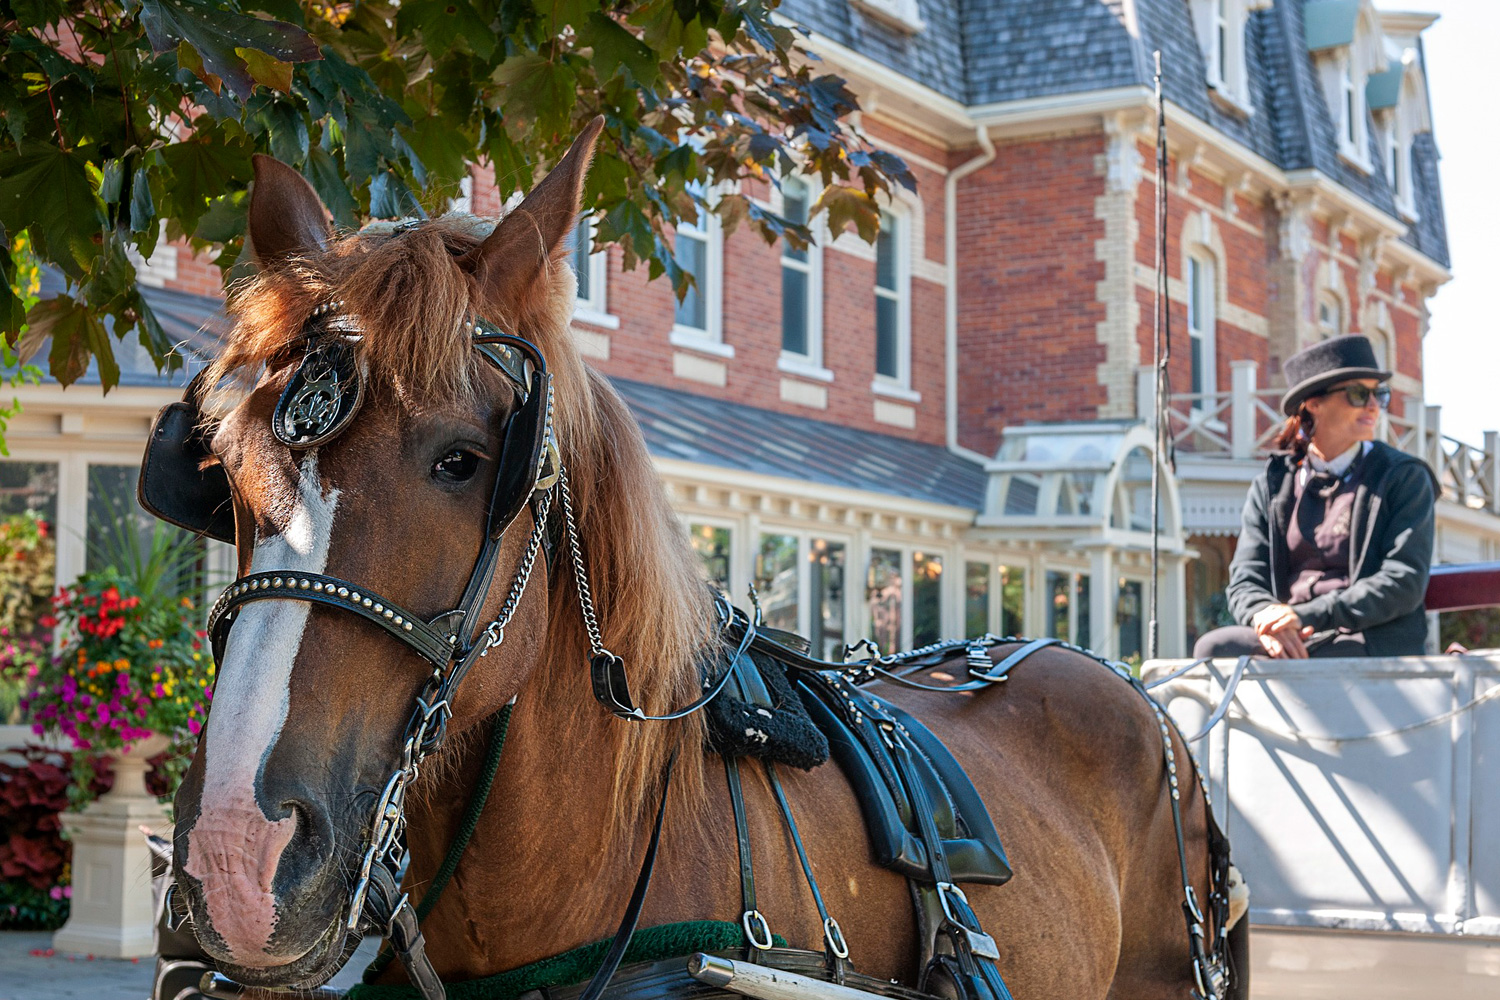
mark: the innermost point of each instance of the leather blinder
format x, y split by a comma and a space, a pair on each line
522, 455
172, 485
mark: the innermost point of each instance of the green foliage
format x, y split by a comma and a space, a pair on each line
1478, 628
28, 560
24, 907
117, 116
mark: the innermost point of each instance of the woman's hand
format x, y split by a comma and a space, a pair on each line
1281, 632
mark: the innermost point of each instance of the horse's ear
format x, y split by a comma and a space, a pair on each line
527, 240
287, 218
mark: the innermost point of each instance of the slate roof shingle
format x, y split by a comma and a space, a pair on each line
992, 51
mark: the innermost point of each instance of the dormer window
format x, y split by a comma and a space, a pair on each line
1398, 103
1345, 38
1221, 35
1353, 108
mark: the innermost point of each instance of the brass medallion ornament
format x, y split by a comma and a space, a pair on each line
322, 397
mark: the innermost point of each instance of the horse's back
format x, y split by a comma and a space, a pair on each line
1068, 758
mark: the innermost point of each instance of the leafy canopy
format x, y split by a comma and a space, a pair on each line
121, 120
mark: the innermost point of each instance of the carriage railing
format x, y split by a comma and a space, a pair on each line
1243, 422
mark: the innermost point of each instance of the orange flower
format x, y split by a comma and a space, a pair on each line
155, 643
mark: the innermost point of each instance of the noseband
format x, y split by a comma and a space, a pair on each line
321, 400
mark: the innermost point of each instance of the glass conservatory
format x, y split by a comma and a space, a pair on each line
1080, 495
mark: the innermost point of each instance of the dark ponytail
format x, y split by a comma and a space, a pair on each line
1296, 433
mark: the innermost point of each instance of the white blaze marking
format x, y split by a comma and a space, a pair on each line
233, 849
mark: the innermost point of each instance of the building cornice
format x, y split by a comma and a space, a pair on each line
813, 492
1057, 112
897, 95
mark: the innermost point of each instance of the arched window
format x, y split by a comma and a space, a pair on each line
1330, 316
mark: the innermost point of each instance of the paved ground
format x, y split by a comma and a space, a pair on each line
28, 972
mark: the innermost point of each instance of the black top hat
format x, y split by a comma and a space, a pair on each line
1325, 364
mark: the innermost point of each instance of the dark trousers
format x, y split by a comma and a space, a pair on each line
1241, 640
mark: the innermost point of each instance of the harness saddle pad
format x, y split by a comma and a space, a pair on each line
863, 733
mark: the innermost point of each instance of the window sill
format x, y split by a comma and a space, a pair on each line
1358, 163
692, 339
1233, 103
803, 367
894, 390
892, 14
1408, 213
602, 320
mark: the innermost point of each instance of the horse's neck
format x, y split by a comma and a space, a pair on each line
545, 869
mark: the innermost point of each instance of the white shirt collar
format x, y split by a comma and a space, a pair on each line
1338, 465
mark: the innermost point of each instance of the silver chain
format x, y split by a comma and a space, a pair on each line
580, 574
494, 632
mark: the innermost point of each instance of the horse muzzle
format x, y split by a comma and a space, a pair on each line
264, 893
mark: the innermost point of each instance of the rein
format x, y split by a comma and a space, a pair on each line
322, 397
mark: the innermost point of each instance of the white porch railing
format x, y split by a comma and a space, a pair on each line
1243, 422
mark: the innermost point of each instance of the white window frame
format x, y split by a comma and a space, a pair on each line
594, 310
898, 385
1204, 329
1398, 166
805, 538
1072, 573
808, 364
902, 15
1222, 39
710, 339
1340, 318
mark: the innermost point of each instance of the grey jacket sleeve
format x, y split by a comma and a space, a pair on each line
1400, 584
1250, 587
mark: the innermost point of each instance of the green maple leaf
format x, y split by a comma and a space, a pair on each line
218, 34
202, 168
46, 191
537, 90
75, 332
615, 47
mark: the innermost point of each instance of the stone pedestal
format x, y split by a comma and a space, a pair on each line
112, 914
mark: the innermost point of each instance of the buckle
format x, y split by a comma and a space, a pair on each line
834, 935
978, 941
754, 920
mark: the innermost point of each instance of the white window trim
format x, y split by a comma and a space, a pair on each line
711, 286
1209, 334
594, 310
1345, 74
1340, 313
1231, 88
810, 364
899, 386
902, 15
805, 538
1398, 147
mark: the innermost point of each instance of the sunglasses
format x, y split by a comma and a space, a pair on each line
1359, 395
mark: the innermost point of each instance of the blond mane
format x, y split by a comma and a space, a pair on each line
410, 298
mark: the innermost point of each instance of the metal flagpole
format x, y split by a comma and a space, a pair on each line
1162, 353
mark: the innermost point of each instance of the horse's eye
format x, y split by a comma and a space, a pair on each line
458, 466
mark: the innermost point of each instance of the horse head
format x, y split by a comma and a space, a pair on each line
404, 443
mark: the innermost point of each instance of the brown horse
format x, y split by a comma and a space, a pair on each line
311, 702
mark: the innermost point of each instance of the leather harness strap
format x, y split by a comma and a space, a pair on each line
757, 929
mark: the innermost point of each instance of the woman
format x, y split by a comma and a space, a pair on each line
1336, 538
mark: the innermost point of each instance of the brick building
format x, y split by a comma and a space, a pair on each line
943, 433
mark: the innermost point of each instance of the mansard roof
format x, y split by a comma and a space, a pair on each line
981, 52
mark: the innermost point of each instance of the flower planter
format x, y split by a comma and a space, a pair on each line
112, 914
